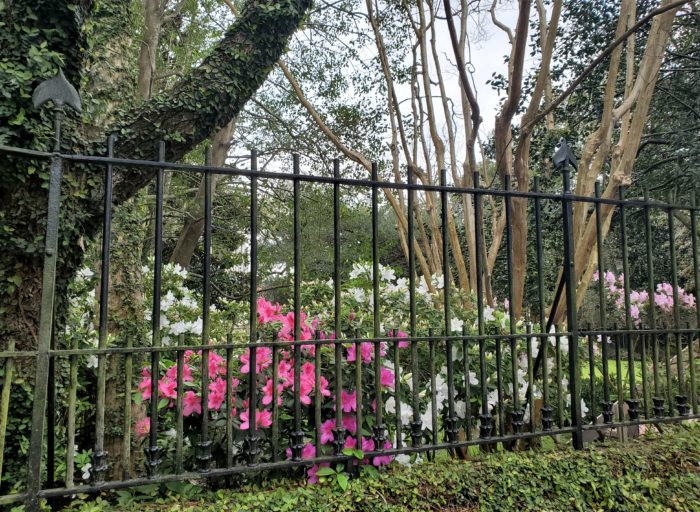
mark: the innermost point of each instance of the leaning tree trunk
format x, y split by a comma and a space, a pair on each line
202, 102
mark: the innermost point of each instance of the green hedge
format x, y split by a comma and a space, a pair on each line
657, 472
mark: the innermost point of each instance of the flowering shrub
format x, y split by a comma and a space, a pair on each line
640, 302
276, 323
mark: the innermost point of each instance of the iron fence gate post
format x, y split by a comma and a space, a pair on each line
563, 158
60, 92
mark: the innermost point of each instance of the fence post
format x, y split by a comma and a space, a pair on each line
563, 158
61, 92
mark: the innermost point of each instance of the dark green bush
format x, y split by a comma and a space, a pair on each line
655, 473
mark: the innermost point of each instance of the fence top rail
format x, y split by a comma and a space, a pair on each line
471, 338
354, 182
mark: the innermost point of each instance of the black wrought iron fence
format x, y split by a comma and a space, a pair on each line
298, 394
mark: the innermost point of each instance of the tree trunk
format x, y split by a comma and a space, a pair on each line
194, 223
201, 103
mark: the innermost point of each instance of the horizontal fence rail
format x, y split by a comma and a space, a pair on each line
292, 391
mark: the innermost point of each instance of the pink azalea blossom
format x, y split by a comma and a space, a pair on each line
267, 312
307, 452
267, 393
171, 373
383, 460
365, 352
263, 419
367, 444
142, 428
145, 387
217, 365
350, 423
348, 401
387, 378
167, 388
311, 473
327, 431
263, 359
217, 394
350, 443
192, 404
401, 334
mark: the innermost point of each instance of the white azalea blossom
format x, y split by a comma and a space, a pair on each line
456, 325
85, 273
86, 471
386, 273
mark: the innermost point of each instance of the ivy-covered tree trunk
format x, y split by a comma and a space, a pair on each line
39, 37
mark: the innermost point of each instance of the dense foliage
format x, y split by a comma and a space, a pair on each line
657, 472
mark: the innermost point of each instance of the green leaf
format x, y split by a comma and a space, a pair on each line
342, 480
325, 472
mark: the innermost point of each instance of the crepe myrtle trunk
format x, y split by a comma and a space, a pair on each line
202, 102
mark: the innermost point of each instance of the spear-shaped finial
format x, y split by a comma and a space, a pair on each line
59, 90
564, 156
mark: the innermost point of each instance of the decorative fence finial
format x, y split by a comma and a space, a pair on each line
59, 90
564, 156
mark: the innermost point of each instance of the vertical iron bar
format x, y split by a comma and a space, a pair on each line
657, 399
5, 400
669, 375
70, 421
229, 402
645, 389
530, 374
376, 321
152, 451
50, 417
696, 275
339, 432
633, 402
317, 394
571, 320
485, 416
99, 462
252, 437
48, 291
499, 386
180, 419
560, 395
126, 440
681, 397
416, 424
275, 405
397, 392
433, 391
606, 404
297, 436
618, 371
591, 374
451, 420
543, 339
204, 446
358, 389
517, 414
467, 385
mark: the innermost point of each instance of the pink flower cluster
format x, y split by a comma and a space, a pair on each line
639, 300
274, 322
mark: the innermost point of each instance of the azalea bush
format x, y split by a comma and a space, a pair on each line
276, 326
640, 301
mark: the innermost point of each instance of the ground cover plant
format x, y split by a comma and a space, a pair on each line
657, 472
